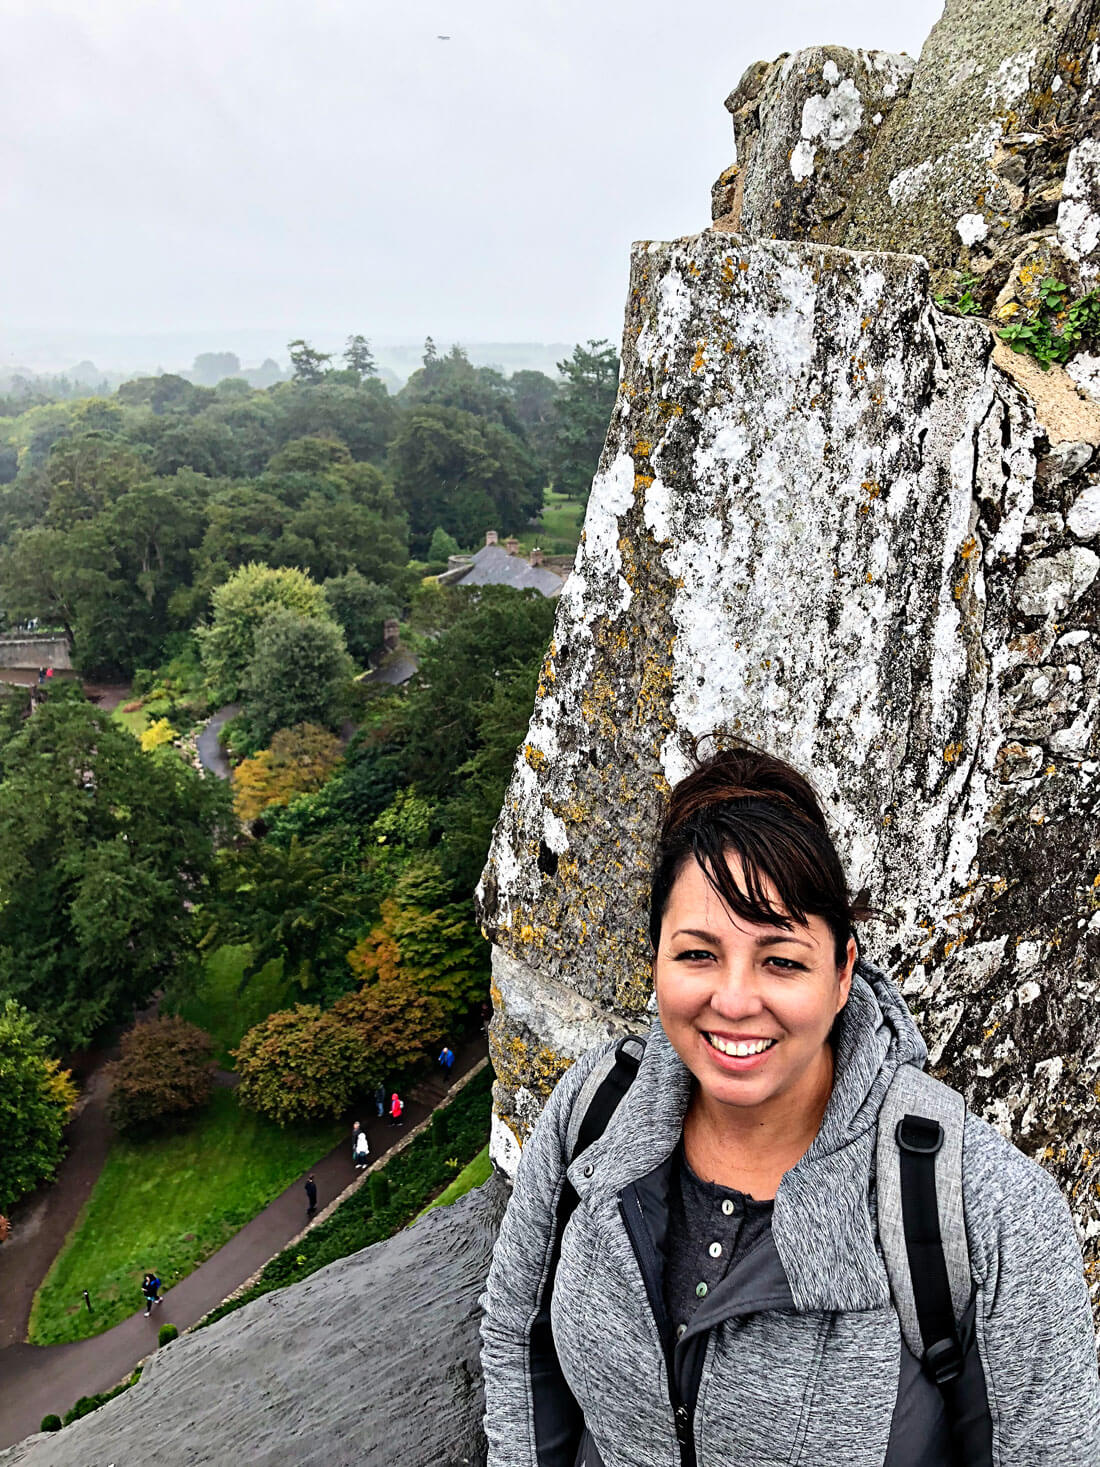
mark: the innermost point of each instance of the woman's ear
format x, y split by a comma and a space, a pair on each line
845, 972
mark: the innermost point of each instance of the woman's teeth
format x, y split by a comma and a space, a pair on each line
741, 1048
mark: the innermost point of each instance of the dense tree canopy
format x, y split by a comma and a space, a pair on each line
102, 851
464, 473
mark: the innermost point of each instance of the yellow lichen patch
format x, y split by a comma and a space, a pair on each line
642, 481
697, 359
727, 270
669, 409
969, 549
693, 270
643, 448
951, 752
535, 757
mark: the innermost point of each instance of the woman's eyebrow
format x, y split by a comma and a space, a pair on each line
770, 940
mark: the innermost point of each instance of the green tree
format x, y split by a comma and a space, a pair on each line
361, 607
103, 851
442, 545
297, 674
308, 365
211, 367
359, 357
36, 1096
480, 638
581, 413
287, 903
239, 608
299, 761
466, 474
453, 381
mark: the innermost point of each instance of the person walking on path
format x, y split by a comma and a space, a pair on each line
362, 1151
356, 1131
447, 1057
311, 1194
380, 1099
396, 1107
150, 1287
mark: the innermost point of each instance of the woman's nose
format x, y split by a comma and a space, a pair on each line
736, 992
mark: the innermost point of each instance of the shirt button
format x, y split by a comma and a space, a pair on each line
681, 1330
715, 1250
727, 1207
701, 1290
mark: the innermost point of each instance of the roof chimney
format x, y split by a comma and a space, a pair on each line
490, 537
535, 558
511, 545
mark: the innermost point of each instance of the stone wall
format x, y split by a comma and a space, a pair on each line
857, 529
35, 652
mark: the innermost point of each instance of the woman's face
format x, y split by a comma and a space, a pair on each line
747, 1008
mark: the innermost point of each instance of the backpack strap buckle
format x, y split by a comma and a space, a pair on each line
944, 1361
918, 1135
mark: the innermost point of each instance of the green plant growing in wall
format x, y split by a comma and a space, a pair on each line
960, 298
166, 1333
379, 1191
1055, 331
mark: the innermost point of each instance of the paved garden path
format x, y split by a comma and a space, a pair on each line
208, 744
35, 1380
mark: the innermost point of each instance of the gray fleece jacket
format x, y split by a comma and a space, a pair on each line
797, 1357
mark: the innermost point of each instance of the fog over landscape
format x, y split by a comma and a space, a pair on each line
226, 177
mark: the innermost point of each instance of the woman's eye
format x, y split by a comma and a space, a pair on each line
786, 964
692, 955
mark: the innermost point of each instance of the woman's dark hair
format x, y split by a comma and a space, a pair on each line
745, 801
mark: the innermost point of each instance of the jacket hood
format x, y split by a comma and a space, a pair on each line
822, 1223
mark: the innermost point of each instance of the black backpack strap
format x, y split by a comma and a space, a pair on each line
922, 1231
559, 1421
920, 1139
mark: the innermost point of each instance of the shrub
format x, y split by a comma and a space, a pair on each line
379, 1191
166, 1333
300, 1064
397, 1025
157, 735
52, 1422
439, 1129
165, 1070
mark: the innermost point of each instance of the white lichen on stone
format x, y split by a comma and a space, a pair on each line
972, 229
1079, 211
829, 121
1085, 372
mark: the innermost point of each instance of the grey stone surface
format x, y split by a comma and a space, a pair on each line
1002, 91
804, 129
825, 520
371, 1362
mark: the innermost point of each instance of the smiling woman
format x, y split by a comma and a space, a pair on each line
742, 1259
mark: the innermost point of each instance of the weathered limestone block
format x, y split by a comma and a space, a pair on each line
1003, 90
825, 520
373, 1361
804, 129
1079, 211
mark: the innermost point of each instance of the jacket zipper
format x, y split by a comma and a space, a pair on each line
640, 1241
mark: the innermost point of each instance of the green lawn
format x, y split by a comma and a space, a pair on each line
468, 1178
167, 1204
559, 523
136, 722
226, 1010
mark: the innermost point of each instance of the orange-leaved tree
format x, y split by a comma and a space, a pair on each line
298, 762
425, 943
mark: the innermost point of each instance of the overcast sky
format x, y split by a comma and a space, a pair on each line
326, 166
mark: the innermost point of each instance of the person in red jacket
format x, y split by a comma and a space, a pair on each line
396, 1107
